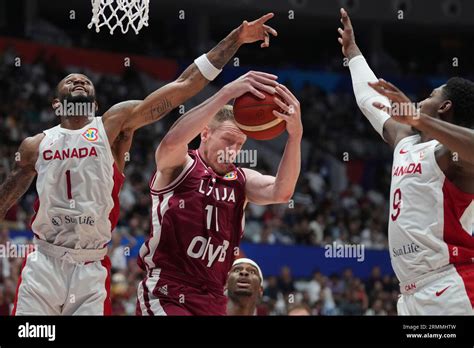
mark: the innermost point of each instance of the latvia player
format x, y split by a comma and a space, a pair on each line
79, 164
199, 200
244, 287
432, 190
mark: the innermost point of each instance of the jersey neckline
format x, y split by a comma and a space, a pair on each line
75, 131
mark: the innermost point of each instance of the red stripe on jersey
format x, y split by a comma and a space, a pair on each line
466, 272
460, 242
108, 302
15, 301
118, 182
36, 207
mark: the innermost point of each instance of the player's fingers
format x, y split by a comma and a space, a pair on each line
286, 97
286, 108
380, 106
265, 18
270, 30
263, 87
257, 93
345, 19
392, 87
387, 85
378, 87
340, 41
261, 74
383, 88
340, 31
281, 115
290, 95
266, 41
265, 80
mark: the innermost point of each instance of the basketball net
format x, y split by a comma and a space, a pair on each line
119, 13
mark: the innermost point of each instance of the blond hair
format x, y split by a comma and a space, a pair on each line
224, 114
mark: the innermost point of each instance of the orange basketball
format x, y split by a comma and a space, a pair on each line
255, 118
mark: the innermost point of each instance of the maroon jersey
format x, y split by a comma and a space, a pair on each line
197, 223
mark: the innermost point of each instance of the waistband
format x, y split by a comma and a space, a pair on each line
73, 255
189, 280
412, 286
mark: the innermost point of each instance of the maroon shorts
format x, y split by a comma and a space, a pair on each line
163, 296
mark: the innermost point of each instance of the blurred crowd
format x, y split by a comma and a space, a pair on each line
318, 214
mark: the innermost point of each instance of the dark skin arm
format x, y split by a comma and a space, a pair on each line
393, 131
455, 155
123, 119
20, 178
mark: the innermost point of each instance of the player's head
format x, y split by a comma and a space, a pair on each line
299, 310
245, 281
452, 102
76, 89
221, 141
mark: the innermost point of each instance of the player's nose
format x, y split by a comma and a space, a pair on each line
244, 273
79, 82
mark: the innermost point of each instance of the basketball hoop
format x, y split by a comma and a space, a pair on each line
119, 13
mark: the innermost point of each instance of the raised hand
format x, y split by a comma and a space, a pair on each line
253, 82
402, 109
347, 39
291, 110
257, 30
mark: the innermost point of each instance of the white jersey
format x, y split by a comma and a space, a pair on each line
431, 220
78, 185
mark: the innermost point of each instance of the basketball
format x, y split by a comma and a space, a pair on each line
254, 116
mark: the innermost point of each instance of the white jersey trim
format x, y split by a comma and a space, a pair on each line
188, 168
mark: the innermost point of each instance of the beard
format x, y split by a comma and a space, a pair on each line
77, 99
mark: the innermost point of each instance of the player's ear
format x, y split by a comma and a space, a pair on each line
205, 134
55, 103
96, 105
445, 110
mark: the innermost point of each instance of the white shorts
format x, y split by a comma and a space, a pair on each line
52, 286
449, 291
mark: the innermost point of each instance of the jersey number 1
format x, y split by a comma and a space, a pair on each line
209, 209
68, 184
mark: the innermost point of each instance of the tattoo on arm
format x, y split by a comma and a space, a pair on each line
225, 50
15, 186
159, 109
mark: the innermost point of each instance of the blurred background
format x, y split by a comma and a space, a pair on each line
342, 194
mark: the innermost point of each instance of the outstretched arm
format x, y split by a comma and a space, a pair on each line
19, 179
267, 189
391, 131
131, 115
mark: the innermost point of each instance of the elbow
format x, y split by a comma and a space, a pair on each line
283, 197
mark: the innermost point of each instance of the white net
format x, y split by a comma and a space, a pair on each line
119, 13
